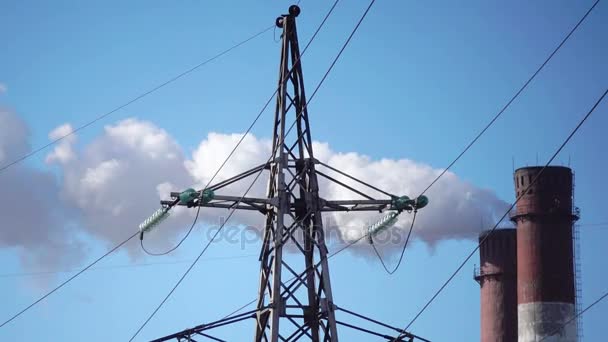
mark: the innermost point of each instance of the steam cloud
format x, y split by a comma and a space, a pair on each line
107, 187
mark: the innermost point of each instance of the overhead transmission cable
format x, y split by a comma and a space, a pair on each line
488, 125
407, 239
198, 209
234, 208
68, 280
508, 104
487, 236
135, 99
121, 266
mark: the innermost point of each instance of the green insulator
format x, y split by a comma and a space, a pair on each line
384, 223
154, 220
208, 195
402, 203
421, 202
187, 195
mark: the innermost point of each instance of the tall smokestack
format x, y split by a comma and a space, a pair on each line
545, 271
497, 276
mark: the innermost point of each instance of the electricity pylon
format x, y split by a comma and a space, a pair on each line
300, 300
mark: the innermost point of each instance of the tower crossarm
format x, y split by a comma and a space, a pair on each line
356, 205
264, 204
365, 203
227, 202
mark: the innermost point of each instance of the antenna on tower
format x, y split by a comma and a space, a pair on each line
513, 163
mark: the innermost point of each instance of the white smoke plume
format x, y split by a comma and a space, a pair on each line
111, 184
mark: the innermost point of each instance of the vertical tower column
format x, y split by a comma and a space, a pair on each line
545, 271
299, 289
497, 277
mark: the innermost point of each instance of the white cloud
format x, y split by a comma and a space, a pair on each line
63, 151
119, 178
111, 184
212, 152
3, 88
113, 180
34, 222
455, 210
145, 138
98, 177
13, 137
456, 207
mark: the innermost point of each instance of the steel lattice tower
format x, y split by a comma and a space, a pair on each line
298, 201
300, 302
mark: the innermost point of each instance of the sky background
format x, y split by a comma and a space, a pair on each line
417, 82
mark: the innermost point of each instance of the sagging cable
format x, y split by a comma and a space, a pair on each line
398, 204
188, 197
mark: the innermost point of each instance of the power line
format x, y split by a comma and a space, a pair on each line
575, 317
508, 210
407, 239
240, 308
198, 210
598, 224
504, 108
494, 119
68, 280
112, 267
261, 170
135, 99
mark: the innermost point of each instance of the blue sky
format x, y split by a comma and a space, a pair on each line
418, 81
